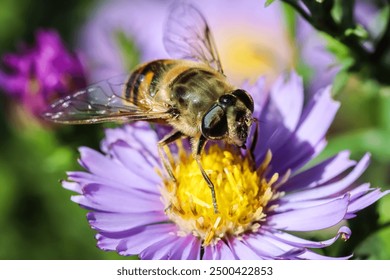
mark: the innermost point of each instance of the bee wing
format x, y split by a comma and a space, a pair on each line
101, 102
188, 36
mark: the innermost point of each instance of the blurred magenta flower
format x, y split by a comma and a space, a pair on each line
137, 210
37, 76
252, 40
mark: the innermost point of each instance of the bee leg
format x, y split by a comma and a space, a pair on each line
173, 136
197, 147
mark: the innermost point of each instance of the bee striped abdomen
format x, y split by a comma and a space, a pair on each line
145, 80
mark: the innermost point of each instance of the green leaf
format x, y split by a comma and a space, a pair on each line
128, 49
383, 111
336, 47
342, 76
8, 190
384, 209
305, 71
337, 11
290, 18
358, 31
268, 2
375, 247
375, 141
60, 159
339, 82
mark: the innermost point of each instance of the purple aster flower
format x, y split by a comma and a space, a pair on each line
137, 210
39, 75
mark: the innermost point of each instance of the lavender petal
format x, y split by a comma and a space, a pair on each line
98, 164
366, 200
186, 248
113, 222
285, 98
161, 250
320, 173
331, 189
315, 121
100, 197
241, 251
310, 255
135, 162
295, 241
139, 239
260, 244
219, 251
312, 218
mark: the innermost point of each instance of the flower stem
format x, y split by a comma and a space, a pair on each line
318, 14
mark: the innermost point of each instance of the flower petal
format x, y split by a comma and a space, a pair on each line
101, 197
241, 251
281, 114
317, 117
165, 249
286, 98
107, 244
331, 189
174, 248
284, 206
72, 186
219, 251
139, 136
295, 241
139, 238
191, 249
366, 200
320, 173
263, 247
310, 255
84, 178
113, 171
295, 155
313, 125
272, 248
113, 222
135, 162
312, 218
186, 248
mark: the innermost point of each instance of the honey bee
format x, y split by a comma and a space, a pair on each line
190, 93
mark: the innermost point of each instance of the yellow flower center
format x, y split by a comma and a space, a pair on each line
248, 53
242, 194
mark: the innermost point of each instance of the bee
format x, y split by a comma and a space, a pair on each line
189, 93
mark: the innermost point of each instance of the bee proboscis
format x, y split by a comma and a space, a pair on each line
190, 93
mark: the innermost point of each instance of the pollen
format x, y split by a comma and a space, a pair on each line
242, 194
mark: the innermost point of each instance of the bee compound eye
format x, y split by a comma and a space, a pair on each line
227, 100
214, 123
245, 98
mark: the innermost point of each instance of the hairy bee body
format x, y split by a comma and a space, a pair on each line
185, 88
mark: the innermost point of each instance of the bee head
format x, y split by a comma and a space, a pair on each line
229, 118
